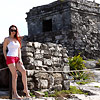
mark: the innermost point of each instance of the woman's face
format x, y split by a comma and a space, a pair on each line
13, 31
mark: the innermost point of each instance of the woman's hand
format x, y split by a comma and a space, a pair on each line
20, 61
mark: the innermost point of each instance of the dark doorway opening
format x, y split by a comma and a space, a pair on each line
47, 25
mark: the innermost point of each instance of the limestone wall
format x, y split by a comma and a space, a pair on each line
4, 75
45, 57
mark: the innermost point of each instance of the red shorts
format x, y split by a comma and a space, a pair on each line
11, 59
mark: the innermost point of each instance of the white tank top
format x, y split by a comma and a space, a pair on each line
13, 49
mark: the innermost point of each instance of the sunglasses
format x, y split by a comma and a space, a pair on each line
13, 30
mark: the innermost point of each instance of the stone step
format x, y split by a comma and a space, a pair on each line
4, 94
43, 98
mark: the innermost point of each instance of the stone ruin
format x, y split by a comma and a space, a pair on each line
73, 23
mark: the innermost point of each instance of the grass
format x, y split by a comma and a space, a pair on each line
82, 83
31, 94
90, 59
97, 86
65, 93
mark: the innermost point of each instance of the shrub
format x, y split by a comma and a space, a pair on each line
77, 63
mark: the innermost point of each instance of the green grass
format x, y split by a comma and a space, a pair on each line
90, 59
65, 93
31, 94
82, 83
97, 86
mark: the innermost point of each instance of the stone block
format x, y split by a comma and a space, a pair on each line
66, 84
38, 63
43, 84
37, 45
27, 54
47, 61
57, 87
42, 75
30, 72
27, 49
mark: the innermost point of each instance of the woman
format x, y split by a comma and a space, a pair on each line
13, 59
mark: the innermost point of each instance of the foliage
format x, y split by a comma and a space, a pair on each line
98, 62
77, 63
46, 94
82, 83
97, 86
66, 93
61, 0
31, 94
90, 59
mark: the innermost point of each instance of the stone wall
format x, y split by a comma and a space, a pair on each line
85, 20
4, 75
75, 25
37, 59
45, 57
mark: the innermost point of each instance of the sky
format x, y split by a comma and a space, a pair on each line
13, 12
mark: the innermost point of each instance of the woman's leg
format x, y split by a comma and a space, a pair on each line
14, 80
24, 78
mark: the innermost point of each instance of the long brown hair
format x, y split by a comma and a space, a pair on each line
16, 35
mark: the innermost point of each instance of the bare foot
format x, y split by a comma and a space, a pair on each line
16, 97
27, 93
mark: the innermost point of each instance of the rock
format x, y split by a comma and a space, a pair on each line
91, 64
28, 49
29, 54
38, 94
38, 63
4, 93
44, 84
37, 45
30, 72
47, 61
96, 74
42, 75
66, 84
57, 87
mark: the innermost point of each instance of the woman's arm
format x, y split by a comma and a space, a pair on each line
19, 55
5, 43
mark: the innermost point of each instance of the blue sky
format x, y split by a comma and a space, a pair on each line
14, 12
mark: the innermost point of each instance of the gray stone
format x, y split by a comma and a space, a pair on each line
66, 84
29, 49
39, 94
37, 51
30, 72
42, 75
30, 54
91, 64
37, 45
44, 84
57, 87
38, 56
31, 85
66, 68
29, 44
47, 61
37, 63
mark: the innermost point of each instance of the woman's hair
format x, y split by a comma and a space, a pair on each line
16, 35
